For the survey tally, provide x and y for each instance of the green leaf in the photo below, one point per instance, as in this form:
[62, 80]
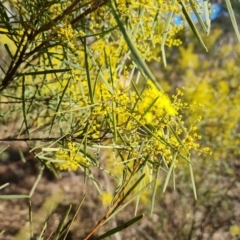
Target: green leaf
[4, 185]
[120, 228]
[69, 224]
[192, 179]
[44, 72]
[60, 225]
[59, 104]
[169, 172]
[233, 19]
[207, 16]
[99, 69]
[73, 65]
[138, 59]
[198, 16]
[165, 33]
[8, 50]
[24, 106]
[13, 196]
[154, 190]
[37, 181]
[87, 67]
[45, 224]
[128, 202]
[192, 26]
[133, 187]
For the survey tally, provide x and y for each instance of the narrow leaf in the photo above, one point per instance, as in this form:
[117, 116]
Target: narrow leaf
[13, 196]
[60, 225]
[207, 16]
[233, 19]
[165, 33]
[120, 228]
[139, 61]
[68, 226]
[128, 202]
[198, 16]
[192, 26]
[44, 72]
[8, 51]
[169, 172]
[193, 181]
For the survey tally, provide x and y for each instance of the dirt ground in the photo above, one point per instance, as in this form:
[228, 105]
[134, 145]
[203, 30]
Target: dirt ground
[51, 194]
[56, 195]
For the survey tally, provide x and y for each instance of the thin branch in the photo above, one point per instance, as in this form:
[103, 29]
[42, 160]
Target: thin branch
[118, 202]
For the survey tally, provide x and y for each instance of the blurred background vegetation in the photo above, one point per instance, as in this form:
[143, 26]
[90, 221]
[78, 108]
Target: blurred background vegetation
[210, 79]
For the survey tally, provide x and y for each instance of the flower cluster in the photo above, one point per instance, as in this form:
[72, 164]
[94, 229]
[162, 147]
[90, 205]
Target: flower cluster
[96, 92]
[70, 158]
[214, 86]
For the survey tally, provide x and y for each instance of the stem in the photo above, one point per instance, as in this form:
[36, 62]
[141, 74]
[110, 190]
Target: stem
[13, 68]
[118, 202]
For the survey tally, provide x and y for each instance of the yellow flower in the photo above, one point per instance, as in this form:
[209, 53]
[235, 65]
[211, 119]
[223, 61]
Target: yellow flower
[155, 104]
[70, 159]
[235, 230]
[106, 198]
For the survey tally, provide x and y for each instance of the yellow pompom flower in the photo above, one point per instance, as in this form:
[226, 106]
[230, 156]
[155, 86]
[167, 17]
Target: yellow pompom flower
[69, 158]
[235, 230]
[155, 103]
[106, 198]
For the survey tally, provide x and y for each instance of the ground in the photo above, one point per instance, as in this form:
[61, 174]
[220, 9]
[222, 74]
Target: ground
[209, 220]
